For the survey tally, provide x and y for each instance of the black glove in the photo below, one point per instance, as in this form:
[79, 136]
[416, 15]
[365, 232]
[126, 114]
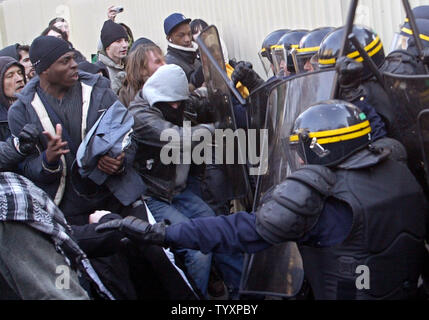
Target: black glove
[28, 139]
[197, 78]
[349, 72]
[200, 109]
[137, 230]
[245, 74]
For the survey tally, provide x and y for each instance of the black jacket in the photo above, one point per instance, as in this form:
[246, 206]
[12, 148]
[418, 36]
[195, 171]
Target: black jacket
[149, 123]
[187, 61]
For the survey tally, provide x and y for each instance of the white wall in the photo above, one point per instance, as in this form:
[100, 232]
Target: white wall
[243, 24]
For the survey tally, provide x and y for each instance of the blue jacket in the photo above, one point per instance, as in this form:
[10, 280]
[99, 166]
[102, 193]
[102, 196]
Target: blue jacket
[75, 208]
[237, 232]
[111, 135]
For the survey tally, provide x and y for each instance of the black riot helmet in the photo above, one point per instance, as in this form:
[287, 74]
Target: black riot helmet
[420, 12]
[331, 46]
[405, 39]
[308, 48]
[329, 132]
[281, 52]
[265, 53]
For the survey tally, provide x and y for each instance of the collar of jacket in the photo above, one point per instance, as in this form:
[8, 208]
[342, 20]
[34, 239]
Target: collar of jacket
[109, 62]
[27, 94]
[187, 54]
[365, 158]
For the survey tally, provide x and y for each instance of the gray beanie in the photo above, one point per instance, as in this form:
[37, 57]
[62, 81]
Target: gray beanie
[167, 84]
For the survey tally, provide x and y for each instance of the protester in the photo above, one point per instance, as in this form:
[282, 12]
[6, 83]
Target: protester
[181, 50]
[93, 68]
[39, 260]
[142, 62]
[63, 33]
[12, 77]
[115, 49]
[21, 54]
[53, 102]
[169, 186]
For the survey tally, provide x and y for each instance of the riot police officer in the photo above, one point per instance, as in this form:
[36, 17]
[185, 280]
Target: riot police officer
[357, 83]
[405, 73]
[281, 53]
[265, 53]
[405, 58]
[304, 56]
[336, 206]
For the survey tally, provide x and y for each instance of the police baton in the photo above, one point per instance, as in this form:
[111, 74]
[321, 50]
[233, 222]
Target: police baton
[416, 32]
[348, 29]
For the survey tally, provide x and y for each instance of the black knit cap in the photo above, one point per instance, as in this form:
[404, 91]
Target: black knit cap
[112, 32]
[45, 50]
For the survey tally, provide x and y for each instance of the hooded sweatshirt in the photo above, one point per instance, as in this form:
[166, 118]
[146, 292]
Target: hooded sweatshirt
[5, 102]
[10, 51]
[169, 84]
[151, 112]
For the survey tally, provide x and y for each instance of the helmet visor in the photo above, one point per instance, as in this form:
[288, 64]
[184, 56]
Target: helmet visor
[265, 57]
[399, 42]
[297, 156]
[303, 61]
[279, 56]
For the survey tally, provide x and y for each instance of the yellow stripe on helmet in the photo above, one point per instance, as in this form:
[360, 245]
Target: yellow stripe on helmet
[367, 48]
[311, 49]
[327, 61]
[356, 55]
[331, 136]
[373, 52]
[344, 137]
[410, 32]
[277, 47]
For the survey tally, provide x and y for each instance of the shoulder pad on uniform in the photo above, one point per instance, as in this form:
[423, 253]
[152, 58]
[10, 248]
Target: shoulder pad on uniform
[318, 177]
[305, 190]
[296, 204]
[277, 224]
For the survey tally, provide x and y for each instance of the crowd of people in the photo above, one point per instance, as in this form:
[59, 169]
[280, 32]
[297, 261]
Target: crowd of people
[84, 185]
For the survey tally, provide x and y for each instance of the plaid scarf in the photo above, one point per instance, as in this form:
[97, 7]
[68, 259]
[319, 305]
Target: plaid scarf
[22, 201]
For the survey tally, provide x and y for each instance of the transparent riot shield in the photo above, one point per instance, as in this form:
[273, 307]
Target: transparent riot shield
[409, 96]
[278, 271]
[229, 143]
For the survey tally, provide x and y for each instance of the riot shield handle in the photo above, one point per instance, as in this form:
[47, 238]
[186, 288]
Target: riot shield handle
[348, 29]
[220, 71]
[416, 32]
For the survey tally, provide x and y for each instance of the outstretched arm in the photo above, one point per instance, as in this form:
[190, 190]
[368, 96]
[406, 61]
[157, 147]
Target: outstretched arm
[222, 234]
